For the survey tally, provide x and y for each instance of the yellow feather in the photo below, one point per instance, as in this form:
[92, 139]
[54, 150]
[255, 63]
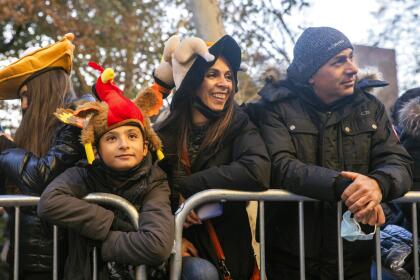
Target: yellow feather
[89, 152]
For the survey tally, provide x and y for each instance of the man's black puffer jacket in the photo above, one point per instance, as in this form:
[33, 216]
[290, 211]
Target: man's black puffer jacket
[31, 174]
[310, 143]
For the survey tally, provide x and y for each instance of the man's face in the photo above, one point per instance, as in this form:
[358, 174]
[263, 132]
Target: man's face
[122, 148]
[336, 78]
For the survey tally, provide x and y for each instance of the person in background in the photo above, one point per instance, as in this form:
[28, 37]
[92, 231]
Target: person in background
[43, 147]
[406, 113]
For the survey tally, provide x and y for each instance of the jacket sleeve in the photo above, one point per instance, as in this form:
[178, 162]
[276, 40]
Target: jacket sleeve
[61, 203]
[153, 242]
[290, 173]
[390, 162]
[248, 171]
[5, 143]
[32, 173]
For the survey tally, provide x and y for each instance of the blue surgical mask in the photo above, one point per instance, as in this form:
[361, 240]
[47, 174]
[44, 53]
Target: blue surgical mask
[351, 230]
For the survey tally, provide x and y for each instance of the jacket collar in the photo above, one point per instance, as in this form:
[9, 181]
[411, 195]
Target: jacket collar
[284, 89]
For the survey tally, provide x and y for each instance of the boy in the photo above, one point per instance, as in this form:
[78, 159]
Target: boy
[123, 166]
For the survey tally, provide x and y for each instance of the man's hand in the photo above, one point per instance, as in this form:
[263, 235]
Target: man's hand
[188, 249]
[192, 218]
[362, 195]
[374, 217]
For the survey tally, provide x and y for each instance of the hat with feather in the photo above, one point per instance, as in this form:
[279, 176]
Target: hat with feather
[112, 111]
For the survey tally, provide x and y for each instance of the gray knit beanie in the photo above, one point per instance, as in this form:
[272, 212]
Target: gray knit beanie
[313, 49]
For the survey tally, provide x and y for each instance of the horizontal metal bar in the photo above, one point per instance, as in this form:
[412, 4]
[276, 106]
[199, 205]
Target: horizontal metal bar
[18, 200]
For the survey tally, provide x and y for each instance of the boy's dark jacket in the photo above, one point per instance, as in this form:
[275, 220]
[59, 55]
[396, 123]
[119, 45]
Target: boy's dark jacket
[309, 144]
[145, 186]
[239, 162]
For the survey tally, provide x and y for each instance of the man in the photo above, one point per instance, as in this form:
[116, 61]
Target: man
[330, 140]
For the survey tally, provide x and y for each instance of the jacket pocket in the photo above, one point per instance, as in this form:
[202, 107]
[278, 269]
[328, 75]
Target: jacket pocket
[304, 135]
[357, 136]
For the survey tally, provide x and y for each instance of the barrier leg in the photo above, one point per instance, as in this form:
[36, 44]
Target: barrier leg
[415, 241]
[16, 257]
[55, 253]
[262, 239]
[141, 273]
[340, 241]
[378, 254]
[95, 264]
[301, 241]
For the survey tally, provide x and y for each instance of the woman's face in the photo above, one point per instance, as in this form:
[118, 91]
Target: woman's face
[122, 148]
[217, 85]
[24, 101]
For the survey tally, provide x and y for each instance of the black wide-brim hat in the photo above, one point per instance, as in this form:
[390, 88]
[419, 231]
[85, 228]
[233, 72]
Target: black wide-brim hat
[225, 47]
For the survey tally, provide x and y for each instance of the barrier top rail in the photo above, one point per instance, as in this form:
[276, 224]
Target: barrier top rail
[18, 200]
[229, 195]
[107, 199]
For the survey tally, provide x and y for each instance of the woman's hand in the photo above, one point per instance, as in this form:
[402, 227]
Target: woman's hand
[188, 249]
[192, 218]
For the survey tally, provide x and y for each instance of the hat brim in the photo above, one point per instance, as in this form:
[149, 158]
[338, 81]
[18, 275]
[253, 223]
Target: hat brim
[57, 55]
[225, 47]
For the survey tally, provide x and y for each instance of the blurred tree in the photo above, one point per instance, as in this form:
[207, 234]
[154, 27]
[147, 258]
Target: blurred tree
[128, 35]
[260, 27]
[399, 29]
[124, 34]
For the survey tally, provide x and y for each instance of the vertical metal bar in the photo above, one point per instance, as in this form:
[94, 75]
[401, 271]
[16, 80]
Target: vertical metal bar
[55, 253]
[415, 240]
[340, 241]
[16, 257]
[262, 239]
[378, 253]
[141, 273]
[95, 265]
[301, 241]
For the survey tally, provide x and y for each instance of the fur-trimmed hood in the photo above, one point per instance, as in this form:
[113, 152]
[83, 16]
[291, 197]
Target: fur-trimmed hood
[409, 119]
[278, 86]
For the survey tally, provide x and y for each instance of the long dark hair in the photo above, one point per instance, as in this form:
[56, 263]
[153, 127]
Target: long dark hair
[180, 118]
[46, 92]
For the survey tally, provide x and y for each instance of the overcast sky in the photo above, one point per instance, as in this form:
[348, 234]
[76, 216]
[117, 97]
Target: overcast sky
[353, 18]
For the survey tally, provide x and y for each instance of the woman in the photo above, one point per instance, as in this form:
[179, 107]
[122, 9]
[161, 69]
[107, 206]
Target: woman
[209, 142]
[44, 148]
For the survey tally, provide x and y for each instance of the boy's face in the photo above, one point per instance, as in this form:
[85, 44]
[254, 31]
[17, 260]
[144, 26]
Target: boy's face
[336, 78]
[122, 148]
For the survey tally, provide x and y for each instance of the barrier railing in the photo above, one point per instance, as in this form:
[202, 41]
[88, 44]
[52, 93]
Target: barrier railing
[111, 200]
[280, 195]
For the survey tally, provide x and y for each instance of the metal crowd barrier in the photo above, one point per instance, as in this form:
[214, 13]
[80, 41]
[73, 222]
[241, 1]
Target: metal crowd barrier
[280, 195]
[111, 200]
